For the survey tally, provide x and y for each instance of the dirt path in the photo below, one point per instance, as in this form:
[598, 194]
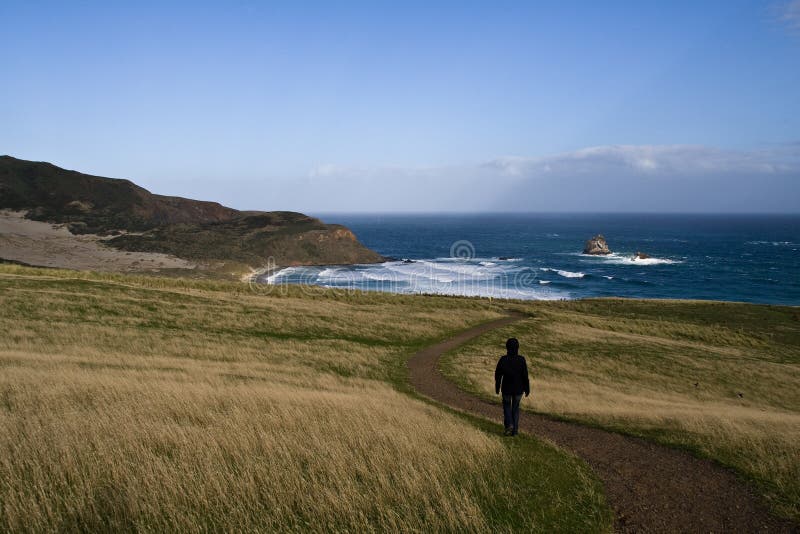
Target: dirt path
[650, 487]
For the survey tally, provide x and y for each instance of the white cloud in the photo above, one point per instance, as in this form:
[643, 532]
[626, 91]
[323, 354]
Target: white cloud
[790, 14]
[600, 178]
[326, 169]
[644, 160]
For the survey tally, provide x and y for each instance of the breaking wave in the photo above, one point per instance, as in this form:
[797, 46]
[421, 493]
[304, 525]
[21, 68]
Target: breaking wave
[565, 274]
[445, 276]
[629, 259]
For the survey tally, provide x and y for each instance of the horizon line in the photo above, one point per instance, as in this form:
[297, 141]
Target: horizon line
[565, 212]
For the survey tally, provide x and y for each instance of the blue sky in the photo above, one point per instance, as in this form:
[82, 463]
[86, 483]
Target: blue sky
[378, 106]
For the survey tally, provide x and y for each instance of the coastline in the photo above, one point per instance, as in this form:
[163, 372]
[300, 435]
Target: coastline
[721, 258]
[254, 274]
[341, 277]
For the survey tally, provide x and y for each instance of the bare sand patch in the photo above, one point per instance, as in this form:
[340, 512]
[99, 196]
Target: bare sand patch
[53, 245]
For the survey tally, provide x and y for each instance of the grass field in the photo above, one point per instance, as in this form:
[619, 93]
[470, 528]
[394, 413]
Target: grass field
[720, 379]
[151, 404]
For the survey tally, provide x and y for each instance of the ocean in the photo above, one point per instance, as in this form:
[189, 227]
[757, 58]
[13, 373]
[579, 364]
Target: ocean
[747, 258]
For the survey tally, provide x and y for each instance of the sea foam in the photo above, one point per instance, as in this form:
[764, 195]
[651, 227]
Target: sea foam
[442, 276]
[565, 274]
[629, 259]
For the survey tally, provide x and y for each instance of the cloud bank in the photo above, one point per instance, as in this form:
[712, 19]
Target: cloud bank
[790, 14]
[676, 160]
[660, 178]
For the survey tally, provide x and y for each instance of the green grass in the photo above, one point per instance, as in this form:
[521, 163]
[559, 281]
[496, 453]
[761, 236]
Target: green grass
[552, 494]
[719, 379]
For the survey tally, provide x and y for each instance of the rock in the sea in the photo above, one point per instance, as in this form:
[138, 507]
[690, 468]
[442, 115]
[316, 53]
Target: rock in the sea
[596, 246]
[640, 256]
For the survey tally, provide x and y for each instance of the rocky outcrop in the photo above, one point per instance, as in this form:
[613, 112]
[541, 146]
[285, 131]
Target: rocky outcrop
[640, 256]
[596, 246]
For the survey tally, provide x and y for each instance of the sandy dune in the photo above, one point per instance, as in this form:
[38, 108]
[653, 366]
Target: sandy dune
[40, 243]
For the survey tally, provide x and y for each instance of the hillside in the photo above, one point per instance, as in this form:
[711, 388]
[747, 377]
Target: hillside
[134, 219]
[133, 403]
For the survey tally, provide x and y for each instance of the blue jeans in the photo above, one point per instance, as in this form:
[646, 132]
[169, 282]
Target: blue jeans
[511, 411]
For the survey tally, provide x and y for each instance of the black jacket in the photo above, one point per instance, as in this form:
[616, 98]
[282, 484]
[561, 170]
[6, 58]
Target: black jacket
[512, 373]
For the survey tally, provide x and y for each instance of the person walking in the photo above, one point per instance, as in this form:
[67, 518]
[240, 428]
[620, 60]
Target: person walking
[511, 376]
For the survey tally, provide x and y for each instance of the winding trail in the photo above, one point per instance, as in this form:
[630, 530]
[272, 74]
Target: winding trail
[651, 488]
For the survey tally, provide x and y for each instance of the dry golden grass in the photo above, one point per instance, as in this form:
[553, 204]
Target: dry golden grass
[193, 448]
[633, 366]
[172, 405]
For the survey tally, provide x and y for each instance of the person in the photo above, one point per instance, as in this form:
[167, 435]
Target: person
[511, 376]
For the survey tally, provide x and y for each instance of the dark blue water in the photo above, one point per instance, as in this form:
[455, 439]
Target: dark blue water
[730, 257]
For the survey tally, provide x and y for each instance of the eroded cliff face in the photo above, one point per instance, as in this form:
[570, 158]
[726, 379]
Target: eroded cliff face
[333, 244]
[191, 229]
[332, 234]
